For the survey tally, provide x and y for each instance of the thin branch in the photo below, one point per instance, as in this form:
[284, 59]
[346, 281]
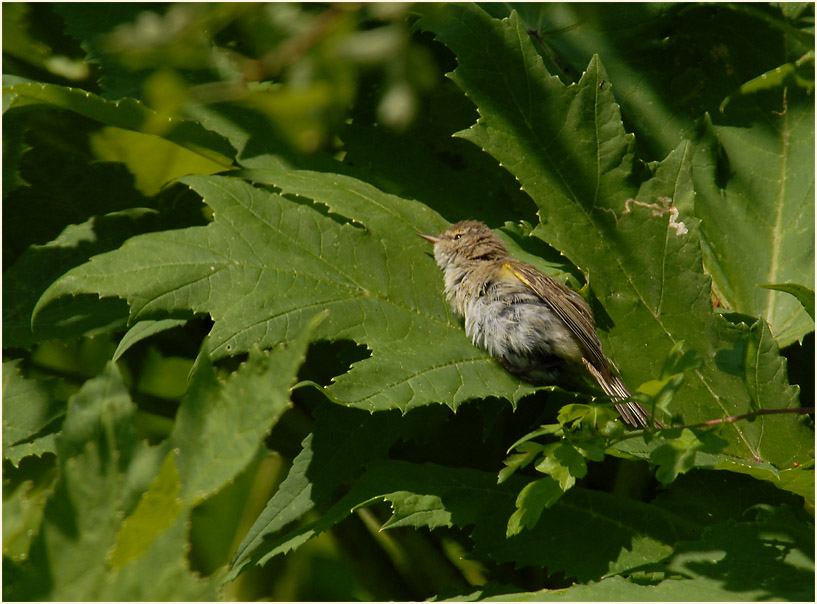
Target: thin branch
[734, 418]
[724, 420]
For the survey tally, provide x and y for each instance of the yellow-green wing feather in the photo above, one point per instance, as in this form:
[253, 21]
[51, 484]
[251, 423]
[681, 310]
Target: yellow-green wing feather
[570, 307]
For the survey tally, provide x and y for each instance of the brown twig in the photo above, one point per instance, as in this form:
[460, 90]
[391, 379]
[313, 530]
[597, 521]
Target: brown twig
[734, 418]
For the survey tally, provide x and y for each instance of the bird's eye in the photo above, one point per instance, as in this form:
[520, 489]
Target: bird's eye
[458, 236]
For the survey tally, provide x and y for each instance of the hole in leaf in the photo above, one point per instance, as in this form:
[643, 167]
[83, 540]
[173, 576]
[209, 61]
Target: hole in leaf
[326, 360]
[324, 209]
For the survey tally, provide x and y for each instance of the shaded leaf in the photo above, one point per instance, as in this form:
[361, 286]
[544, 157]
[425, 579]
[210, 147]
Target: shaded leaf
[29, 414]
[266, 264]
[619, 589]
[531, 502]
[341, 442]
[629, 228]
[717, 497]
[130, 114]
[676, 456]
[161, 574]
[143, 330]
[772, 557]
[803, 294]
[435, 496]
[797, 73]
[167, 161]
[799, 480]
[39, 266]
[156, 511]
[102, 471]
[219, 427]
[761, 210]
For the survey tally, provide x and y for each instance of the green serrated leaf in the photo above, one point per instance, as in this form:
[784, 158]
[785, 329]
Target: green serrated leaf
[81, 518]
[715, 497]
[466, 495]
[758, 222]
[129, 114]
[143, 330]
[571, 458]
[103, 471]
[797, 73]
[156, 511]
[638, 240]
[39, 265]
[531, 502]
[23, 510]
[411, 509]
[100, 412]
[378, 284]
[803, 294]
[162, 573]
[66, 187]
[29, 413]
[472, 498]
[799, 480]
[619, 589]
[219, 427]
[152, 160]
[341, 442]
[773, 556]
[676, 456]
[528, 452]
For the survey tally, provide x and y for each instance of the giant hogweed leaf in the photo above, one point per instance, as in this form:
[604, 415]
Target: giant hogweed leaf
[127, 113]
[219, 427]
[29, 414]
[619, 589]
[670, 63]
[267, 265]
[773, 555]
[103, 469]
[39, 265]
[433, 496]
[411, 286]
[630, 230]
[334, 452]
[758, 225]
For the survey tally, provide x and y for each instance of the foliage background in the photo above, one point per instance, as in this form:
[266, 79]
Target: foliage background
[264, 395]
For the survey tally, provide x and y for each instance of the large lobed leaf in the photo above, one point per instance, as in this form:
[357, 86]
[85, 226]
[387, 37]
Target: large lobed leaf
[333, 454]
[103, 470]
[128, 114]
[754, 161]
[219, 426]
[274, 257]
[758, 226]
[630, 227]
[120, 510]
[267, 264]
[629, 537]
[29, 415]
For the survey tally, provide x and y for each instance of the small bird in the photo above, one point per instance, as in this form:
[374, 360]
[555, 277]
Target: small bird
[533, 324]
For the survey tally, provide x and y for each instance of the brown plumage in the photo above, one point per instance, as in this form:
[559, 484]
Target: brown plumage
[532, 323]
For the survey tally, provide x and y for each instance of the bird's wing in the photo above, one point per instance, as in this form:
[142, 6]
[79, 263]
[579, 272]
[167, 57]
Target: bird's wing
[574, 311]
[569, 306]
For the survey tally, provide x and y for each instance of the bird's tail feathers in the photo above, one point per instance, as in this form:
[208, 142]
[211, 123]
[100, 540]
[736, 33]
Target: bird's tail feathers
[631, 412]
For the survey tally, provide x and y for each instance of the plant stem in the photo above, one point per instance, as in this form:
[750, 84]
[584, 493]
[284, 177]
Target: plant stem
[735, 418]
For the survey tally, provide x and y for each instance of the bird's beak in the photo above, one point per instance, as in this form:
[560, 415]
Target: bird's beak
[429, 238]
